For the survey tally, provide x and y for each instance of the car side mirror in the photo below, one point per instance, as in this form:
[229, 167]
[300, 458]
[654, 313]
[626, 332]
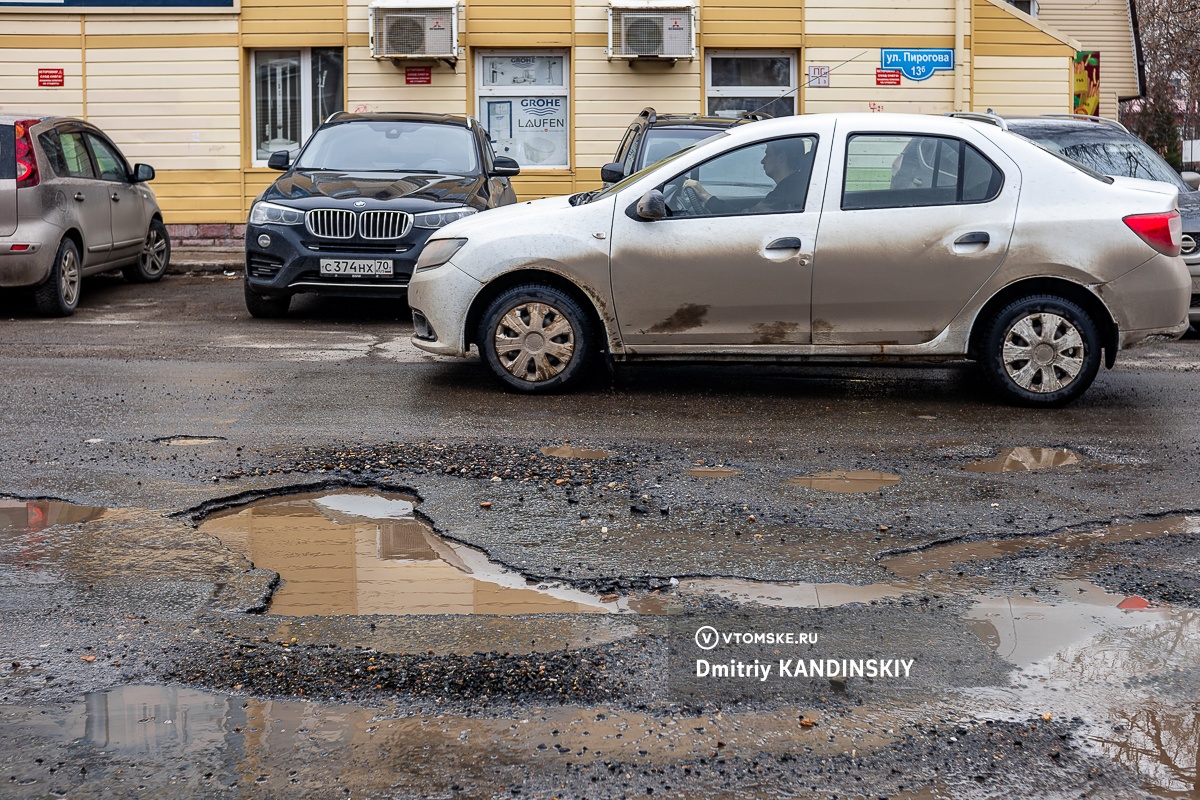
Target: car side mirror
[611, 173]
[280, 159]
[142, 173]
[1192, 179]
[652, 205]
[504, 167]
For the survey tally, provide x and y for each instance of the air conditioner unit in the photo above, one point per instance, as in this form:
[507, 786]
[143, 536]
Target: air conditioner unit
[425, 29]
[651, 30]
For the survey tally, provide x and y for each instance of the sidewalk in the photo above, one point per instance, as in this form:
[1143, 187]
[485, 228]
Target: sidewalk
[206, 259]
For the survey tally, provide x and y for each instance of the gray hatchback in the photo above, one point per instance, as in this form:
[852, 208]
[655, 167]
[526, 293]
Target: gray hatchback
[71, 206]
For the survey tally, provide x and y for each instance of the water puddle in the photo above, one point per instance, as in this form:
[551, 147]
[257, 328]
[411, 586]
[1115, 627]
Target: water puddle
[359, 552]
[789, 595]
[1017, 459]
[713, 472]
[566, 451]
[19, 518]
[944, 557]
[187, 441]
[857, 480]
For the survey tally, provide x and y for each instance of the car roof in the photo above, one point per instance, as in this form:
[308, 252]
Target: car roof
[652, 119]
[399, 116]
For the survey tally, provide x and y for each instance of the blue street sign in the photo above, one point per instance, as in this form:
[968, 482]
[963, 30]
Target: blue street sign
[918, 63]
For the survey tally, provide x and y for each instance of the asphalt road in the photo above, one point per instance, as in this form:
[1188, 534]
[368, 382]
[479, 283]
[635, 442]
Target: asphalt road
[1044, 597]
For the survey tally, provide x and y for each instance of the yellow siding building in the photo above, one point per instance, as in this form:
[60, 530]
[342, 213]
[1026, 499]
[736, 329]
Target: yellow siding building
[204, 92]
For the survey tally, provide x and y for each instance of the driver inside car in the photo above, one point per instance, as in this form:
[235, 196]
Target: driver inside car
[784, 161]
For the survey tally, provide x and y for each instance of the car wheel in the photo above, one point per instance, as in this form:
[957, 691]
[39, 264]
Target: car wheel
[265, 307]
[535, 338]
[58, 295]
[156, 255]
[1041, 351]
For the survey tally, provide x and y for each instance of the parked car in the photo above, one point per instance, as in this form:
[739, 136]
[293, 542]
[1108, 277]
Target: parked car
[1108, 147]
[71, 206]
[846, 236]
[651, 137]
[349, 217]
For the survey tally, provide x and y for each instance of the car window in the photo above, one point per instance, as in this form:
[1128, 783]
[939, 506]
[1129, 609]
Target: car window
[67, 154]
[762, 178]
[663, 142]
[906, 170]
[391, 146]
[110, 161]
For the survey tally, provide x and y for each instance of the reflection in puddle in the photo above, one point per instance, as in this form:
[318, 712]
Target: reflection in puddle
[30, 516]
[1016, 459]
[943, 557]
[855, 480]
[565, 451]
[189, 440]
[790, 595]
[713, 472]
[363, 553]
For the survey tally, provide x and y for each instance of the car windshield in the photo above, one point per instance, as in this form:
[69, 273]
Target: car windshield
[618, 186]
[391, 146]
[662, 142]
[1107, 151]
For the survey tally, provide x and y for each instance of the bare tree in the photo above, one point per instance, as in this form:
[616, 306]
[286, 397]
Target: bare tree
[1170, 39]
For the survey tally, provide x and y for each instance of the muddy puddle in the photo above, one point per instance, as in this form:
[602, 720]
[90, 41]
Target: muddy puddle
[847, 481]
[359, 552]
[713, 472]
[18, 517]
[567, 451]
[189, 441]
[1018, 459]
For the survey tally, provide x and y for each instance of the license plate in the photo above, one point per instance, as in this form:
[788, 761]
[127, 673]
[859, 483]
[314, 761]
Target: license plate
[356, 266]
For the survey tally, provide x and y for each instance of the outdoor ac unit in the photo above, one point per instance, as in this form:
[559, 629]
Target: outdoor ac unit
[411, 30]
[652, 30]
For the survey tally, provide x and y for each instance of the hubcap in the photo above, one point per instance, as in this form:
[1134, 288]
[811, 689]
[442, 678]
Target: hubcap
[154, 253]
[1043, 352]
[68, 278]
[534, 342]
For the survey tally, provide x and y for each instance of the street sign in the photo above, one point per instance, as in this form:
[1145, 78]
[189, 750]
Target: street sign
[917, 64]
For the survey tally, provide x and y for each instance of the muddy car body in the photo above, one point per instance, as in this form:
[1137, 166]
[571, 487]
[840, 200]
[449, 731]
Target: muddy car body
[993, 260]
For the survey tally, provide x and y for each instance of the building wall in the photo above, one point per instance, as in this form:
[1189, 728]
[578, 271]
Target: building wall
[1104, 25]
[173, 89]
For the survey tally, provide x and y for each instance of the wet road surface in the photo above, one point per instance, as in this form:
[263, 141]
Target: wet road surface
[247, 558]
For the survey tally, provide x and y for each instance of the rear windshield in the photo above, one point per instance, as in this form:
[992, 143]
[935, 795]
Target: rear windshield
[379, 146]
[1104, 150]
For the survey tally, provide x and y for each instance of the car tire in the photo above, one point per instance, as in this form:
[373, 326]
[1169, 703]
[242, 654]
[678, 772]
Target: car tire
[155, 257]
[264, 307]
[58, 295]
[535, 339]
[1041, 351]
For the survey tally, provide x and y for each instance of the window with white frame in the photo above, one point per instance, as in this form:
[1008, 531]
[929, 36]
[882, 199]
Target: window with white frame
[740, 82]
[291, 93]
[524, 104]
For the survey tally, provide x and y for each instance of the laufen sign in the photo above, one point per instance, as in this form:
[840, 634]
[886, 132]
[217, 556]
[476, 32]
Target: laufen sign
[919, 63]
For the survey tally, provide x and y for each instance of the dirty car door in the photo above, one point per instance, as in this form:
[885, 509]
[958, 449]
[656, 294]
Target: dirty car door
[84, 200]
[731, 271]
[128, 210]
[919, 225]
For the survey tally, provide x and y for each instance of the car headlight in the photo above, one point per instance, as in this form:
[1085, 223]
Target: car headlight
[438, 219]
[263, 213]
[438, 252]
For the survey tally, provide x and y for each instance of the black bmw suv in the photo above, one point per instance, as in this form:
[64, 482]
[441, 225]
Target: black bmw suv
[349, 217]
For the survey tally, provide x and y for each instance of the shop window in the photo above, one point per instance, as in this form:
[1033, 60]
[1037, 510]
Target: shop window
[742, 82]
[524, 105]
[292, 92]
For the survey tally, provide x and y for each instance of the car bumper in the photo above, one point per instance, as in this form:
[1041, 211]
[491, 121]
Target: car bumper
[31, 265]
[441, 299]
[1150, 301]
[290, 263]
[1193, 265]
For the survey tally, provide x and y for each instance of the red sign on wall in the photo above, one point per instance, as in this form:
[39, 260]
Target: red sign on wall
[887, 77]
[50, 76]
[418, 75]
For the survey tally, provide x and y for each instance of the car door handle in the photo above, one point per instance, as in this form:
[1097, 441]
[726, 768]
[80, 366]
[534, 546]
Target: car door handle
[116, 198]
[79, 196]
[975, 237]
[786, 243]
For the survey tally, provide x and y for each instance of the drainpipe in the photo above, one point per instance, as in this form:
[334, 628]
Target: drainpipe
[960, 55]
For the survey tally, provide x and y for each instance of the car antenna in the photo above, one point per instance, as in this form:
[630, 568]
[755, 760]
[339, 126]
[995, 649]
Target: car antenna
[798, 86]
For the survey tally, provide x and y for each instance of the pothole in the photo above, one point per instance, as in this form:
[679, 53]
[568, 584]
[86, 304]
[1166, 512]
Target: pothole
[1017, 459]
[846, 481]
[567, 451]
[713, 472]
[31, 516]
[188, 441]
[360, 552]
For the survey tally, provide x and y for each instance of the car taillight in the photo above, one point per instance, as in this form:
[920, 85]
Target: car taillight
[27, 170]
[1163, 232]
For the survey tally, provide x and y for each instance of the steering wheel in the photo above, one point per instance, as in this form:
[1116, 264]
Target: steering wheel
[687, 200]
